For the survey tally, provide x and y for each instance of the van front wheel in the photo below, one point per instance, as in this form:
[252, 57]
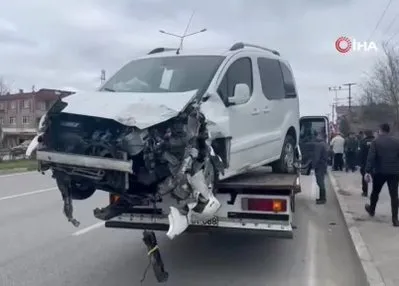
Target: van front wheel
[287, 158]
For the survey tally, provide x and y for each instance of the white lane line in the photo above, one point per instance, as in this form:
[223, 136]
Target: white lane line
[89, 228]
[315, 188]
[311, 249]
[17, 174]
[27, 194]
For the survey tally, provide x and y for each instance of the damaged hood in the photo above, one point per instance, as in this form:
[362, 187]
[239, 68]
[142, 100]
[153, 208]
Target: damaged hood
[141, 110]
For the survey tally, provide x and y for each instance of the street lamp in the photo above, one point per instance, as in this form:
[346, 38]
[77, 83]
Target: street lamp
[183, 36]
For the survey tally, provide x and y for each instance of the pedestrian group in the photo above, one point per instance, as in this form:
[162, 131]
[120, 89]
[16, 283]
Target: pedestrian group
[376, 155]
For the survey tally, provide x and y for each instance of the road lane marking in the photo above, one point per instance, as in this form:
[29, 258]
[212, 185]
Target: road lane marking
[315, 188]
[312, 248]
[27, 194]
[17, 174]
[89, 228]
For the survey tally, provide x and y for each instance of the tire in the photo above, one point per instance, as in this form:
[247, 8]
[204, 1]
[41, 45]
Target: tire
[79, 191]
[286, 162]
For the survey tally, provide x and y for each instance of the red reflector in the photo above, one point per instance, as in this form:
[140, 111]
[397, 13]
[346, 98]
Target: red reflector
[265, 205]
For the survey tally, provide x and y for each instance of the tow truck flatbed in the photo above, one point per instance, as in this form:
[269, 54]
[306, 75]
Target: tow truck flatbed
[261, 178]
[257, 201]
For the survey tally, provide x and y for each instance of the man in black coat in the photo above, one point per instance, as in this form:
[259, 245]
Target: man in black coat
[383, 162]
[351, 146]
[364, 147]
[319, 164]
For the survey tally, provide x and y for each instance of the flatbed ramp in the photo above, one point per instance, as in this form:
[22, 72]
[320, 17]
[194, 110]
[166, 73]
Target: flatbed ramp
[262, 178]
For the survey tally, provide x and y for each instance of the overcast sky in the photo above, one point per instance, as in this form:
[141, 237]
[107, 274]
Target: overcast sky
[65, 44]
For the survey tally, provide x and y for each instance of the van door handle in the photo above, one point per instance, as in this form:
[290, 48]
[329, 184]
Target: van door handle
[255, 112]
[266, 109]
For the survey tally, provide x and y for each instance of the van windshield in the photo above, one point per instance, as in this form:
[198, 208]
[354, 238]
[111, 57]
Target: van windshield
[165, 74]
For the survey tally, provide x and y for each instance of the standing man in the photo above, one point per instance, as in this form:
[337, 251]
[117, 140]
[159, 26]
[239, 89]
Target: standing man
[319, 164]
[350, 148]
[337, 144]
[383, 161]
[364, 147]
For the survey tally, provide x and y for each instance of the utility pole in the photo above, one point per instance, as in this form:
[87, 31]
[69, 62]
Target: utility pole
[102, 76]
[349, 85]
[335, 100]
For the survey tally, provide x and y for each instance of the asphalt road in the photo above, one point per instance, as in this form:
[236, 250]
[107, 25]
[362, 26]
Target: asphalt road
[38, 247]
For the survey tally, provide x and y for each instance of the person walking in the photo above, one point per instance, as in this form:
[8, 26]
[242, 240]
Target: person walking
[319, 165]
[364, 146]
[337, 145]
[350, 147]
[383, 164]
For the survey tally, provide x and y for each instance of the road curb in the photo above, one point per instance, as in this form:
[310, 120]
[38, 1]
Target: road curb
[373, 275]
[13, 170]
[17, 171]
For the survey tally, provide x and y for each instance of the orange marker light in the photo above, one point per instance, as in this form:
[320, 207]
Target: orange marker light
[113, 199]
[277, 206]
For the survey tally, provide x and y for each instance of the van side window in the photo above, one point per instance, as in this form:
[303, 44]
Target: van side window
[271, 78]
[289, 85]
[239, 72]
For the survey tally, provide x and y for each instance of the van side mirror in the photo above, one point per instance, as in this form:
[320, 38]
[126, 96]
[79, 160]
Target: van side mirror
[241, 94]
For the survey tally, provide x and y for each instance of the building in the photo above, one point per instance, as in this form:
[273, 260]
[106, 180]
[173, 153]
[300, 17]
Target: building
[20, 113]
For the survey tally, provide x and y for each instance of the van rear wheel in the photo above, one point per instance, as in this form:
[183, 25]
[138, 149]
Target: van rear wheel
[287, 158]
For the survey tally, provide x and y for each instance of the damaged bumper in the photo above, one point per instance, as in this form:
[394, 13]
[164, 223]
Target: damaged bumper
[86, 161]
[217, 224]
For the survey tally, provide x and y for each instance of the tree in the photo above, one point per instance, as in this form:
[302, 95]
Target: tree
[4, 89]
[381, 89]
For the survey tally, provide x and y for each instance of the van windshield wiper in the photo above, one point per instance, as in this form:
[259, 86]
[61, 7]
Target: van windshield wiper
[109, 89]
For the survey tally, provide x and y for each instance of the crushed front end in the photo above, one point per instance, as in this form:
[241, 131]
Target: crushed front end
[141, 166]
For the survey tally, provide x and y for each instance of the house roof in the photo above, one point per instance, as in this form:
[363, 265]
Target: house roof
[43, 93]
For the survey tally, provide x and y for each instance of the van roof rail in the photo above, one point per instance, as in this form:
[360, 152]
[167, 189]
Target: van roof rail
[241, 45]
[160, 50]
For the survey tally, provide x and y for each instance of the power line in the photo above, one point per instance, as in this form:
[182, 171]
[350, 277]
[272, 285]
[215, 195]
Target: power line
[391, 24]
[380, 20]
[393, 36]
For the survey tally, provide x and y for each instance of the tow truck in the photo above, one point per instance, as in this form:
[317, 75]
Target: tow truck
[258, 201]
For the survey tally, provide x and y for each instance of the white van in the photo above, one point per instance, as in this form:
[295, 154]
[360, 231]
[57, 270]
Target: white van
[170, 113]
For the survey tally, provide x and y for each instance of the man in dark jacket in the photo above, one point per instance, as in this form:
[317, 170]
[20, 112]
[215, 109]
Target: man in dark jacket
[350, 147]
[319, 164]
[364, 147]
[383, 162]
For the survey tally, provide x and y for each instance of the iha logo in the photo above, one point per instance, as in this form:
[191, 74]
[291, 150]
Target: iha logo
[345, 45]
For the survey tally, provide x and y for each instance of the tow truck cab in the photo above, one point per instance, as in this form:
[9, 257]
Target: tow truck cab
[257, 201]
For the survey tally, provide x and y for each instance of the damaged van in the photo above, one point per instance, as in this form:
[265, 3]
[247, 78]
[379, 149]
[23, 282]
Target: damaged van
[168, 126]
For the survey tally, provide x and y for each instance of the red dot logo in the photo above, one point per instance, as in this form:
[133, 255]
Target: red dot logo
[343, 45]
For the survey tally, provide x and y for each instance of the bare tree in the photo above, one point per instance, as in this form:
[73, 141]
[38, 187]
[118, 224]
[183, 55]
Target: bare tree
[4, 89]
[381, 90]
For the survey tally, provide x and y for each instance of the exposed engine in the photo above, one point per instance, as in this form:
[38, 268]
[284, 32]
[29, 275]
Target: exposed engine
[172, 158]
